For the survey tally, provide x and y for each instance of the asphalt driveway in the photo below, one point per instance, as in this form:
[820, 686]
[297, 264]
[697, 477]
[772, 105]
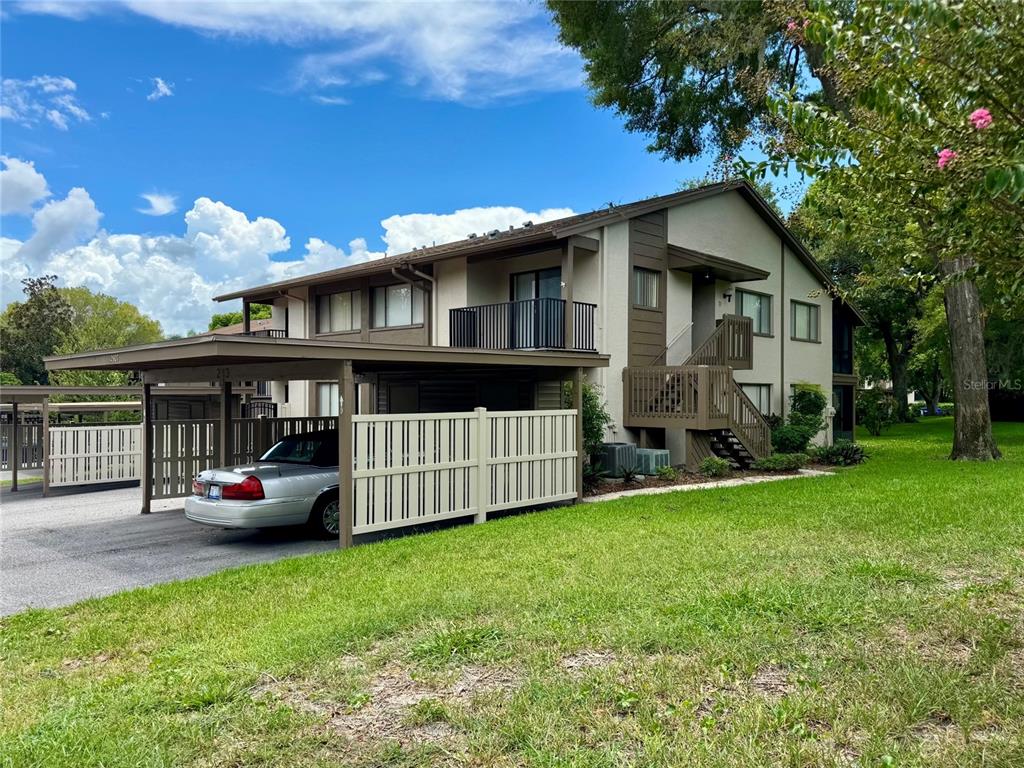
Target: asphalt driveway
[70, 547]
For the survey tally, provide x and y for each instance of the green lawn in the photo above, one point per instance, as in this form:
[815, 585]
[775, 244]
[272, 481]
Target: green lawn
[875, 617]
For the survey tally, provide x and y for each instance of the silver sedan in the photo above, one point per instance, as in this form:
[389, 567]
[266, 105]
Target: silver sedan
[294, 483]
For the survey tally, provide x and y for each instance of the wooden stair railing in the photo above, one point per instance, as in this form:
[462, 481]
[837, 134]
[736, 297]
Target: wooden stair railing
[731, 344]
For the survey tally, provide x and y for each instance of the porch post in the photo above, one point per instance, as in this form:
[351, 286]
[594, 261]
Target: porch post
[14, 449]
[147, 447]
[577, 403]
[246, 324]
[567, 281]
[46, 446]
[346, 491]
[226, 449]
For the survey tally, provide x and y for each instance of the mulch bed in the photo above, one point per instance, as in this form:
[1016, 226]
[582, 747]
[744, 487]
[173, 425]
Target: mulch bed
[613, 484]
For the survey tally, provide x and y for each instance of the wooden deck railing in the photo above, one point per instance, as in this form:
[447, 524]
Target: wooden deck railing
[526, 324]
[694, 397]
[731, 344]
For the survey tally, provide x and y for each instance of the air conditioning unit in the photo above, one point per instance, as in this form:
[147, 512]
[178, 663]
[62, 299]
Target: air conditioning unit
[616, 457]
[650, 460]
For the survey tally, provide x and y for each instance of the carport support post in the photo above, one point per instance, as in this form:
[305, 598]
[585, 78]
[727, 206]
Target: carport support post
[147, 447]
[346, 491]
[225, 424]
[577, 403]
[46, 446]
[14, 449]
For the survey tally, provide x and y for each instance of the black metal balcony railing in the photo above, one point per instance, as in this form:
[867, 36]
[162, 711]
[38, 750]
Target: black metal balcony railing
[270, 333]
[528, 324]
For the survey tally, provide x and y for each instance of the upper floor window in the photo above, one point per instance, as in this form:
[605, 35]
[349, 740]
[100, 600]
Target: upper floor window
[338, 312]
[805, 321]
[646, 288]
[397, 305]
[758, 307]
[327, 398]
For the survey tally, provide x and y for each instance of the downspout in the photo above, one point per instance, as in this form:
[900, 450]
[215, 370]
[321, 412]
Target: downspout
[434, 309]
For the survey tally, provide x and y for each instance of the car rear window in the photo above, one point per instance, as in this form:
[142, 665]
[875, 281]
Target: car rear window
[313, 449]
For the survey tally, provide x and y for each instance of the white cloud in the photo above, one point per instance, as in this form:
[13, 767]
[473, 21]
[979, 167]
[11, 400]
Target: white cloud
[159, 204]
[412, 230]
[21, 186]
[174, 278]
[44, 97]
[160, 89]
[471, 53]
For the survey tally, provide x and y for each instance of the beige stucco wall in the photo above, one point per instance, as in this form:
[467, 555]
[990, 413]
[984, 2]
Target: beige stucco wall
[450, 292]
[612, 309]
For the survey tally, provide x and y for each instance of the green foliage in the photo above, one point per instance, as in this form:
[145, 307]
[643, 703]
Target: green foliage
[224, 319]
[595, 416]
[33, 329]
[8, 379]
[630, 475]
[781, 462]
[805, 419]
[842, 453]
[669, 473]
[593, 473]
[712, 466]
[876, 410]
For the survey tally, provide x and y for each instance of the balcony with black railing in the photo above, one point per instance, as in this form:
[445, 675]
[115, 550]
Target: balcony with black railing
[268, 333]
[527, 324]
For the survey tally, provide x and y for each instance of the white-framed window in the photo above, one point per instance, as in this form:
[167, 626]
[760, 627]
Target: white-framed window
[805, 321]
[327, 398]
[397, 305]
[339, 312]
[760, 395]
[758, 307]
[646, 288]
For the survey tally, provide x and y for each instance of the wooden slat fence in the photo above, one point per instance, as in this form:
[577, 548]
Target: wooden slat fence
[181, 450]
[89, 454]
[31, 438]
[419, 468]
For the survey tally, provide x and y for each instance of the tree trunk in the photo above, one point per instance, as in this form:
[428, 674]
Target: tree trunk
[897, 359]
[972, 423]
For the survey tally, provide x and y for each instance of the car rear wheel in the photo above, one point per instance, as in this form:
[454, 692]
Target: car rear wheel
[324, 519]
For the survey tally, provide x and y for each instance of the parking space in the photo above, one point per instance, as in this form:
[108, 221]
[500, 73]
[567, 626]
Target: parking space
[69, 547]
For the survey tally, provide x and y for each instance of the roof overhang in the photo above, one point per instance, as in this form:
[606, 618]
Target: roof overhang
[235, 358]
[33, 393]
[710, 266]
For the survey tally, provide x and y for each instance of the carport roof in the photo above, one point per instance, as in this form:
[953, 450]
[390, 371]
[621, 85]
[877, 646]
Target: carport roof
[243, 358]
[37, 393]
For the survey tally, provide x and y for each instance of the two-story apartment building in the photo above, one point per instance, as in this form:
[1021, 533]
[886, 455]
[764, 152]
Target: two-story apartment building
[707, 306]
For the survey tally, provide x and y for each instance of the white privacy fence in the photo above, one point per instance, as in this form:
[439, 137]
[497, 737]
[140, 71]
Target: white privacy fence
[419, 468]
[85, 455]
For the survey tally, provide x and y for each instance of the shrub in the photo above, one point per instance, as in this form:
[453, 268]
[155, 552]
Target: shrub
[593, 473]
[712, 466]
[595, 416]
[875, 410]
[781, 462]
[805, 419]
[790, 438]
[844, 453]
[668, 473]
[630, 474]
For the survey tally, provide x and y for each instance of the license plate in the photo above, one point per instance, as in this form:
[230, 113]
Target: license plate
[214, 492]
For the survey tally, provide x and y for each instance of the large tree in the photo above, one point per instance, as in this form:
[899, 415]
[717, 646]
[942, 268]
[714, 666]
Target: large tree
[224, 319]
[32, 329]
[100, 321]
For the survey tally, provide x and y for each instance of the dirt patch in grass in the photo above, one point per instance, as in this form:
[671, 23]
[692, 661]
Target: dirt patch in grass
[396, 707]
[772, 681]
[579, 663]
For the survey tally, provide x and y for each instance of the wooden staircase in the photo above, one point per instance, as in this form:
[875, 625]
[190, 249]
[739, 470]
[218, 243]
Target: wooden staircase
[702, 396]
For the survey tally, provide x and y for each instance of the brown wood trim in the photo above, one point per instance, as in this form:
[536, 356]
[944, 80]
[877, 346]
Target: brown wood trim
[647, 327]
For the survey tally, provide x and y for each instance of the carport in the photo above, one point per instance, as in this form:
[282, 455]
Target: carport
[228, 360]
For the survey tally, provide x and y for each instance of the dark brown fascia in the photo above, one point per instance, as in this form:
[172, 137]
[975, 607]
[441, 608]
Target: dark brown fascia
[236, 350]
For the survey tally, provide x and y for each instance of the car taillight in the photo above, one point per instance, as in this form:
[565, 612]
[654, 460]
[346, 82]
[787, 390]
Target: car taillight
[197, 488]
[250, 489]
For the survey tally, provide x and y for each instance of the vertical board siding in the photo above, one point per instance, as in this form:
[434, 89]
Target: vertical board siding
[95, 454]
[420, 468]
[181, 450]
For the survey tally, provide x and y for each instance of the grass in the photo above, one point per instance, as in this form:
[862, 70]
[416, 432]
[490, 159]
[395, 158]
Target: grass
[875, 617]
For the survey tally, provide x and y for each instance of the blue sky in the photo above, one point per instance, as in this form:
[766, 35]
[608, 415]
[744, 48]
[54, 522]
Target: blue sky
[305, 133]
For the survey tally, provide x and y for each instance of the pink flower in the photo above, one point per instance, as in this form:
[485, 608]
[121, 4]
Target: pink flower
[946, 156]
[981, 119]
[792, 26]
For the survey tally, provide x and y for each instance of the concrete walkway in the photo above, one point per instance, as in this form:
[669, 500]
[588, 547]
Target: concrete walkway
[724, 483]
[72, 546]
